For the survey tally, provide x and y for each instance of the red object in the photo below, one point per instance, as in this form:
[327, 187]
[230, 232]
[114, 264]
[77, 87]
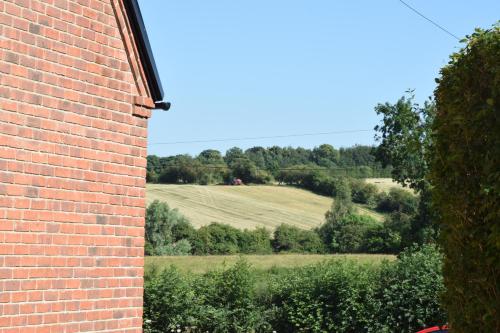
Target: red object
[435, 329]
[237, 181]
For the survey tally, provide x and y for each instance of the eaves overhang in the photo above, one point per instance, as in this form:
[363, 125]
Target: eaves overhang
[145, 52]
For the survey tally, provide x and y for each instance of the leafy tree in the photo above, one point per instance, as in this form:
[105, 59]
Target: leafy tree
[257, 155]
[160, 222]
[404, 137]
[210, 156]
[152, 176]
[210, 167]
[343, 190]
[325, 155]
[357, 156]
[294, 175]
[405, 144]
[340, 210]
[244, 169]
[183, 229]
[466, 178]
[233, 154]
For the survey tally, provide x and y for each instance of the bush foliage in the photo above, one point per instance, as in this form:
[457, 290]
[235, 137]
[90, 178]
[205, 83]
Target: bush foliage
[166, 230]
[334, 296]
[466, 177]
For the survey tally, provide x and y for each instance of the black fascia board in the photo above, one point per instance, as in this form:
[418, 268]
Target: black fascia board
[144, 47]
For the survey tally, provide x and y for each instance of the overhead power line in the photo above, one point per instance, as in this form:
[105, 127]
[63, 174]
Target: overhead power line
[223, 167]
[260, 137]
[429, 20]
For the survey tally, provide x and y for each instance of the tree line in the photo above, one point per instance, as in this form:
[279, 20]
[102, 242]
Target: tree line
[261, 165]
[345, 230]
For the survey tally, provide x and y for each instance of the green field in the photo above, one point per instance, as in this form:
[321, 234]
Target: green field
[202, 264]
[247, 206]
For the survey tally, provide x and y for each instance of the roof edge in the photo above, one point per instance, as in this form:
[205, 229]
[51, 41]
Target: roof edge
[144, 48]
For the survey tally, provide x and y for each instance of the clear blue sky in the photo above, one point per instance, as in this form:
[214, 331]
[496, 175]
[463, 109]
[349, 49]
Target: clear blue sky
[260, 68]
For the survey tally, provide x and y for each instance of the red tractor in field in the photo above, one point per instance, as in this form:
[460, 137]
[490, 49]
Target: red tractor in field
[236, 181]
[435, 329]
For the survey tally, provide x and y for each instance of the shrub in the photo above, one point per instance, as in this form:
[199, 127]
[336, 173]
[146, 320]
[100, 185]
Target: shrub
[168, 301]
[218, 301]
[345, 296]
[183, 229]
[397, 200]
[217, 238]
[401, 224]
[341, 296]
[310, 242]
[381, 239]
[466, 178]
[363, 192]
[227, 301]
[344, 231]
[349, 233]
[409, 291]
[289, 238]
[286, 238]
[179, 248]
[256, 241]
[331, 297]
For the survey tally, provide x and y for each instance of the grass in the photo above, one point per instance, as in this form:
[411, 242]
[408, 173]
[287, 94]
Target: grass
[202, 264]
[385, 184]
[247, 206]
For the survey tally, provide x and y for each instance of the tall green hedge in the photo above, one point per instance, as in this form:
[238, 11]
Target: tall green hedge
[340, 295]
[466, 178]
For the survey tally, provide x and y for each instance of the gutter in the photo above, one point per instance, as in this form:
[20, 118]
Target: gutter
[146, 54]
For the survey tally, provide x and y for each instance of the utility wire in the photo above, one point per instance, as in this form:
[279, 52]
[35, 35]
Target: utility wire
[280, 169]
[223, 167]
[431, 21]
[260, 137]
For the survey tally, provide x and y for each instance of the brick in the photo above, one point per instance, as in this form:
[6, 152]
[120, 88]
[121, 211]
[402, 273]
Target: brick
[73, 139]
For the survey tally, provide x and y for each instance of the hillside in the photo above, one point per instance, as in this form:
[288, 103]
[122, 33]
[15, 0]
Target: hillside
[246, 206]
[385, 184]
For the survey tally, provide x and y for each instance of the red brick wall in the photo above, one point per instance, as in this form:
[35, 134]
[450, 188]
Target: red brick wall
[72, 168]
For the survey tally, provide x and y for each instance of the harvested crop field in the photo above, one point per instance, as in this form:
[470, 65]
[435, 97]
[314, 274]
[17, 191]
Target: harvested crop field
[247, 206]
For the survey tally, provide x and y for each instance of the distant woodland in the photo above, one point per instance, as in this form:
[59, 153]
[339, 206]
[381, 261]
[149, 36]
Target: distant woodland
[259, 165]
